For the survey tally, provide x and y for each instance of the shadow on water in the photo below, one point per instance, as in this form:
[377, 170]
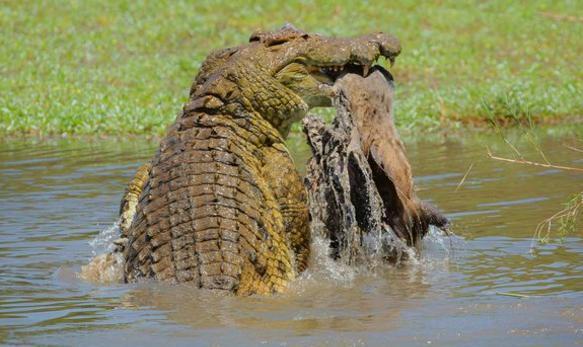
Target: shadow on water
[57, 196]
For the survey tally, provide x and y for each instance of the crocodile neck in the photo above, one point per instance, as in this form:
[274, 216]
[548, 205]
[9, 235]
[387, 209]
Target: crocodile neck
[208, 111]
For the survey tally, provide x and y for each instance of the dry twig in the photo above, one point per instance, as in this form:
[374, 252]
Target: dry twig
[528, 162]
[574, 148]
[464, 178]
[516, 295]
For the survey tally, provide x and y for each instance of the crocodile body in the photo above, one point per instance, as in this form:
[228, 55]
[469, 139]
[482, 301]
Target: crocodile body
[221, 204]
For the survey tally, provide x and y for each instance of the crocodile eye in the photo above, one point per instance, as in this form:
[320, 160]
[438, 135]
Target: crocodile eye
[256, 36]
[273, 43]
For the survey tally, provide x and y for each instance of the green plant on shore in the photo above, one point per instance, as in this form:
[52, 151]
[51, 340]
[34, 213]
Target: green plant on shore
[124, 67]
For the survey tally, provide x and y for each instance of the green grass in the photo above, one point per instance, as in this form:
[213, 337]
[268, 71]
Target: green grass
[125, 67]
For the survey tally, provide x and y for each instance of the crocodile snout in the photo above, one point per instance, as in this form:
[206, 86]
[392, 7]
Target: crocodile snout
[389, 45]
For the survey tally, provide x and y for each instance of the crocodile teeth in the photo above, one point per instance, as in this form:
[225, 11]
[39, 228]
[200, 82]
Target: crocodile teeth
[365, 69]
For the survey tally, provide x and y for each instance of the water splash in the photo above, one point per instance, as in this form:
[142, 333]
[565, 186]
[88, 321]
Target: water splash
[106, 266]
[438, 244]
[103, 242]
[438, 251]
[323, 267]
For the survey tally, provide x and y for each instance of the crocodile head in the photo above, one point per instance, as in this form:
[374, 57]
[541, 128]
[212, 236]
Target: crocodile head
[282, 74]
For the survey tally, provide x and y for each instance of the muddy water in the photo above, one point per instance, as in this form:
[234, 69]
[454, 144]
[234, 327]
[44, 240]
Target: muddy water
[59, 200]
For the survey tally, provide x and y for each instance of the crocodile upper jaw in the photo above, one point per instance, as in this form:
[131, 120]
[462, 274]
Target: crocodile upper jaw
[329, 74]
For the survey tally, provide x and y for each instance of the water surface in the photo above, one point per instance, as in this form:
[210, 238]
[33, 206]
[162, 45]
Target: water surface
[59, 198]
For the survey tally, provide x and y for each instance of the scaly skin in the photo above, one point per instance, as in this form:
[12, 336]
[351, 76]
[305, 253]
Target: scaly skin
[221, 204]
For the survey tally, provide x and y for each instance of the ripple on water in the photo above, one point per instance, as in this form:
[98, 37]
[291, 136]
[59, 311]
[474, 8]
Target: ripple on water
[58, 197]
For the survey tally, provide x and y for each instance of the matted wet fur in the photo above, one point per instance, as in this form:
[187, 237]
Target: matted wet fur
[359, 181]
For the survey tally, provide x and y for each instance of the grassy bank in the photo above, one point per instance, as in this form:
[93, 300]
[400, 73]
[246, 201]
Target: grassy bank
[125, 67]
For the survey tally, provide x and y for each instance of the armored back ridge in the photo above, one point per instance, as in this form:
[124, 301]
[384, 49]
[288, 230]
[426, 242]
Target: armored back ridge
[221, 204]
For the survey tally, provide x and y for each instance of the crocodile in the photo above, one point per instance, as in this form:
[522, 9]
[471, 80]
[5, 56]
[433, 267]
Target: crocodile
[221, 204]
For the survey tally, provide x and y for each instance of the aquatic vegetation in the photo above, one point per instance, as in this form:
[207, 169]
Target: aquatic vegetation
[564, 221]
